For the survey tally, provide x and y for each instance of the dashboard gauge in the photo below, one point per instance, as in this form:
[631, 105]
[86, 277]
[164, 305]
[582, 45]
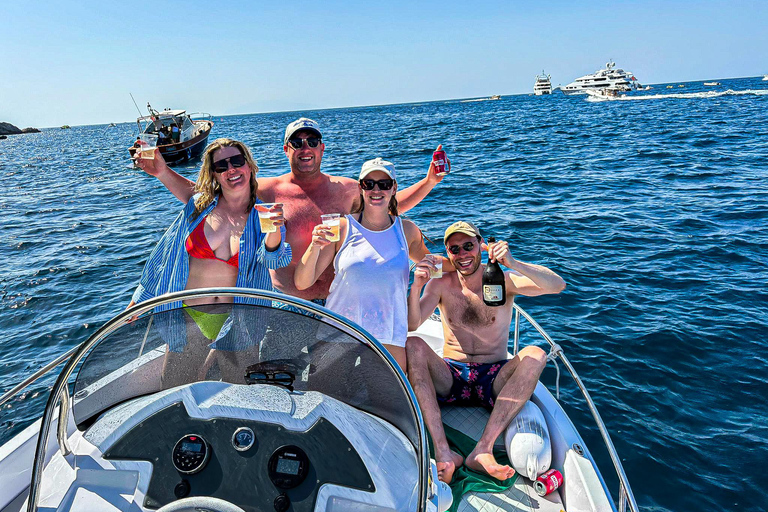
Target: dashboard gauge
[191, 454]
[243, 439]
[288, 467]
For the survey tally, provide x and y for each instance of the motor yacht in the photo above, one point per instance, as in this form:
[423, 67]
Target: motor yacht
[543, 84]
[290, 408]
[609, 77]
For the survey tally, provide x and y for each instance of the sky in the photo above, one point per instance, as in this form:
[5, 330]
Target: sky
[77, 62]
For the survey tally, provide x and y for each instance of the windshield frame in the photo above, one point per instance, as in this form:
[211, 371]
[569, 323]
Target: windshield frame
[60, 394]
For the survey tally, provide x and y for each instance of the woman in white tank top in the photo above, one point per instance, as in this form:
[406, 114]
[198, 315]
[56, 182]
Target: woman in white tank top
[370, 259]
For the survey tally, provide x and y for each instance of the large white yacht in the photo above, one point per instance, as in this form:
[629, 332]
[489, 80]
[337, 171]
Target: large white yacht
[543, 85]
[610, 77]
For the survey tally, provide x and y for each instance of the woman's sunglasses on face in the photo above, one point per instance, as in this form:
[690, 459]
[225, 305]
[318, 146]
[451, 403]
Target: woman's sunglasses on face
[467, 246]
[297, 142]
[385, 184]
[222, 165]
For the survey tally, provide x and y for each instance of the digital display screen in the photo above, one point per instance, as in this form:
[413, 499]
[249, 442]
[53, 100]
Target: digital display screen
[288, 467]
[191, 447]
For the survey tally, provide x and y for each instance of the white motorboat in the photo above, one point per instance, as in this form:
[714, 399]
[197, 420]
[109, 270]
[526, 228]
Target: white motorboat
[765, 77]
[604, 94]
[286, 410]
[543, 84]
[609, 77]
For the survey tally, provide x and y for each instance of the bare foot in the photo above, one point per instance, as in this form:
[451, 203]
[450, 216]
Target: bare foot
[485, 463]
[445, 469]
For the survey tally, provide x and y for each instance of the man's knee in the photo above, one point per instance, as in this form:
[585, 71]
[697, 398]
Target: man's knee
[533, 356]
[415, 346]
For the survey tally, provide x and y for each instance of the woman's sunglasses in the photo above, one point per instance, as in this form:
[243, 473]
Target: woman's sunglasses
[312, 142]
[222, 165]
[467, 246]
[368, 184]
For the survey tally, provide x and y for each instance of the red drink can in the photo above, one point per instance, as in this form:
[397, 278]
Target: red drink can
[442, 167]
[548, 482]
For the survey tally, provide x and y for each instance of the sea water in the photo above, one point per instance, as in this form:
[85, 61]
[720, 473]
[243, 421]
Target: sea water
[653, 208]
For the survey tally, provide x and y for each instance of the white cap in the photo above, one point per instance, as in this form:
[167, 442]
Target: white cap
[378, 164]
[301, 124]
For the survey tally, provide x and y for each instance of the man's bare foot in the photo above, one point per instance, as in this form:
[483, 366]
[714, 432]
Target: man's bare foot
[485, 463]
[446, 468]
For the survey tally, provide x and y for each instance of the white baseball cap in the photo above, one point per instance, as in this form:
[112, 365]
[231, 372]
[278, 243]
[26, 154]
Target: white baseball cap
[378, 164]
[299, 125]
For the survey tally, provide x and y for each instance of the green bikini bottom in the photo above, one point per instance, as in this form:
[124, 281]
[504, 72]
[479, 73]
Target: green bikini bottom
[210, 324]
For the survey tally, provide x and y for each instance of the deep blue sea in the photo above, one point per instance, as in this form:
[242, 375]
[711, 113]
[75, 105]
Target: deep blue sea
[653, 208]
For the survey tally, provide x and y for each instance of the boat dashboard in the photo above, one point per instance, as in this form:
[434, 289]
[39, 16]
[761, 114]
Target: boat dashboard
[262, 448]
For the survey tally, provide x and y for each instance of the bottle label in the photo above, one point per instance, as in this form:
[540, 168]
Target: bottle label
[492, 292]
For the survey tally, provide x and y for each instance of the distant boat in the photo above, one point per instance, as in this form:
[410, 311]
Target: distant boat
[66, 127]
[670, 86]
[765, 77]
[712, 83]
[186, 142]
[543, 84]
[610, 77]
[495, 97]
[112, 124]
[681, 85]
[605, 94]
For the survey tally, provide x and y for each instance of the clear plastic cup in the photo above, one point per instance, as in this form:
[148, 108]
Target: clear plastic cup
[266, 221]
[147, 150]
[437, 259]
[332, 221]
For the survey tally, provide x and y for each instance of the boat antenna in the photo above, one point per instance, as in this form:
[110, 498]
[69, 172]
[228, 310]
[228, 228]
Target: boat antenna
[137, 109]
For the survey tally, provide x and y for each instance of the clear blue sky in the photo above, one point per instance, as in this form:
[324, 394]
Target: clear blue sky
[75, 62]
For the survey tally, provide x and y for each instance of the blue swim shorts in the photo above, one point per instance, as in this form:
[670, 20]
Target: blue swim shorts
[472, 383]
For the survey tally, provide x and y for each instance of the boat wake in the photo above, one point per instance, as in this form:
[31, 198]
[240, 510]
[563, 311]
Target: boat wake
[688, 95]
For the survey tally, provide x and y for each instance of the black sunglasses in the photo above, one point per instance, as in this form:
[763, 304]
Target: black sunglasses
[222, 165]
[467, 246]
[368, 184]
[312, 142]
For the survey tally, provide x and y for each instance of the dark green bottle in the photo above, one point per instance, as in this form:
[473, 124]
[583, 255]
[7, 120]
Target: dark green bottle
[494, 291]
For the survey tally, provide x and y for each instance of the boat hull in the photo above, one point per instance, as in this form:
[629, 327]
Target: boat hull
[184, 151]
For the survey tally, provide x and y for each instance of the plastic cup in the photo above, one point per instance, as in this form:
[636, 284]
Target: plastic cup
[265, 217]
[147, 150]
[437, 259]
[332, 221]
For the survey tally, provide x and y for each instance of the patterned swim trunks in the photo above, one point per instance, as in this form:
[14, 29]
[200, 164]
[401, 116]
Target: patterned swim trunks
[472, 383]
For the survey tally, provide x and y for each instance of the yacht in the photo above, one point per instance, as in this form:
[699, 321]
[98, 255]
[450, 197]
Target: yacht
[543, 84]
[609, 77]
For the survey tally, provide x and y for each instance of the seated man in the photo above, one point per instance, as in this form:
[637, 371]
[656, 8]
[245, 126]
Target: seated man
[476, 370]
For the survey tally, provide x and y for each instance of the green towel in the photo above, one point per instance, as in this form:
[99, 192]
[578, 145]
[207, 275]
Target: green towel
[467, 480]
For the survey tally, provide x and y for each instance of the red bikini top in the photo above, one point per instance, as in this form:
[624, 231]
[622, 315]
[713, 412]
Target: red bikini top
[197, 247]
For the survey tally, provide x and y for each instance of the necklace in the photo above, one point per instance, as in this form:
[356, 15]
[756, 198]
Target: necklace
[374, 227]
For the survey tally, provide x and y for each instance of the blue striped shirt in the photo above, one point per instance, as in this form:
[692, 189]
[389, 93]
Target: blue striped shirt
[167, 269]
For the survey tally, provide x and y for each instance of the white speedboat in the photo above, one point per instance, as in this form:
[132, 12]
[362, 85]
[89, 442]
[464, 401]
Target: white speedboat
[286, 410]
[711, 84]
[604, 94]
[543, 84]
[765, 77]
[609, 77]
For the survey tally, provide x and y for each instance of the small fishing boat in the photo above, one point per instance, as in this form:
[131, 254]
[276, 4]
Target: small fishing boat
[286, 410]
[181, 136]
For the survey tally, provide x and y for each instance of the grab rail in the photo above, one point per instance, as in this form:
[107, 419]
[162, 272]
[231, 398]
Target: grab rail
[626, 497]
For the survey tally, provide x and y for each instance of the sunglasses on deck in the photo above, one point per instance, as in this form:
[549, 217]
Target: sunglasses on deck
[222, 165]
[467, 246]
[297, 142]
[385, 184]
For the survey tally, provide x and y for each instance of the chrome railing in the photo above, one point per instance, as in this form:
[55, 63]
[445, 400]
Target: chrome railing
[626, 497]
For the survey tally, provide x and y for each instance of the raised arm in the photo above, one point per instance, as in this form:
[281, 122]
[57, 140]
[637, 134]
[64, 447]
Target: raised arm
[177, 184]
[421, 306]
[535, 279]
[318, 256]
[411, 196]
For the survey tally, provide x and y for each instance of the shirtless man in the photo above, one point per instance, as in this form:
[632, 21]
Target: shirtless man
[475, 370]
[306, 192]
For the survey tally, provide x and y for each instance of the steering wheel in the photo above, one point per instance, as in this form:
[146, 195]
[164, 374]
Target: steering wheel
[200, 504]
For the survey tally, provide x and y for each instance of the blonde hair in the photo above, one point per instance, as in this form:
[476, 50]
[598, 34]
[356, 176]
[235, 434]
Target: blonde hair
[206, 184]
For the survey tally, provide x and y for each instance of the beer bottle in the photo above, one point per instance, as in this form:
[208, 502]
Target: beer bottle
[494, 291]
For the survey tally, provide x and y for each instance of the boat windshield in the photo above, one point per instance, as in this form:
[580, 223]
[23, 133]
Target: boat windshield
[265, 343]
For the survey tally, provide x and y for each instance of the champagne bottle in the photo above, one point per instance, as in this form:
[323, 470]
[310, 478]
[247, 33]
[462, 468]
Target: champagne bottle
[494, 291]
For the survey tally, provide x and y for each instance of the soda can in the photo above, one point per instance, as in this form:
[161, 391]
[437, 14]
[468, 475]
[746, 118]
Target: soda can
[442, 167]
[548, 482]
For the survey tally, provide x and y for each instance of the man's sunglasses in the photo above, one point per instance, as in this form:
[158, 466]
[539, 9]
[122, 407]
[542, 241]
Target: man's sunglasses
[222, 165]
[467, 246]
[312, 142]
[368, 184]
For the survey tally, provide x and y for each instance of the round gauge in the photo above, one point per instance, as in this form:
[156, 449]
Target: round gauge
[190, 454]
[288, 467]
[243, 439]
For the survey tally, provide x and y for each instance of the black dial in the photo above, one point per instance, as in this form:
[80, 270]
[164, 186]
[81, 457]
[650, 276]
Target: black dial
[191, 454]
[288, 467]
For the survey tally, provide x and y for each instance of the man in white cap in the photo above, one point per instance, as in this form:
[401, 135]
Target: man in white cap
[306, 193]
[475, 369]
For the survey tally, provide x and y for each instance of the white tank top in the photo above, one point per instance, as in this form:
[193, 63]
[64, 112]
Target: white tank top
[371, 283]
